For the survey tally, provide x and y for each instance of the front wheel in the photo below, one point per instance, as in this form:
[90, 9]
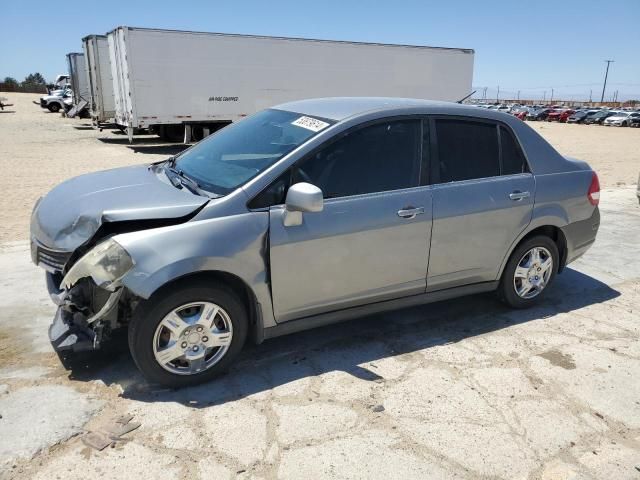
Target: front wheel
[188, 336]
[529, 272]
[53, 107]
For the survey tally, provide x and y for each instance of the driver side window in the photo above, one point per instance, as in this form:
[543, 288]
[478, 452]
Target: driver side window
[377, 158]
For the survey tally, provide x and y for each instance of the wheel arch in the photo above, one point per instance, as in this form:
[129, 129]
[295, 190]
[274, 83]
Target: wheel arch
[552, 231]
[232, 281]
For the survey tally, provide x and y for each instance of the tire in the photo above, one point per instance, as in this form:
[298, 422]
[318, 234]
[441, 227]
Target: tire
[172, 133]
[53, 107]
[144, 333]
[507, 288]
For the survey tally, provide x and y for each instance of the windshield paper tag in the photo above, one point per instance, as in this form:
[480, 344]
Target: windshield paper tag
[310, 124]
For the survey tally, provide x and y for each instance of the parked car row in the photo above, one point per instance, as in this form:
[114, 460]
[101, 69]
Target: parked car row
[587, 116]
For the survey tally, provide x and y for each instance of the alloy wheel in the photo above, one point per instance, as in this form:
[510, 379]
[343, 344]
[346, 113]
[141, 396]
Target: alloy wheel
[532, 273]
[192, 338]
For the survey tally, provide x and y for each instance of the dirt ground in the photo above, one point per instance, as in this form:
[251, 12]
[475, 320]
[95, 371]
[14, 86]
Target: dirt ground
[51, 149]
[462, 389]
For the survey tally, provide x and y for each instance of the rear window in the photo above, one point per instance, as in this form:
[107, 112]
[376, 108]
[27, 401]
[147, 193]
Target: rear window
[467, 150]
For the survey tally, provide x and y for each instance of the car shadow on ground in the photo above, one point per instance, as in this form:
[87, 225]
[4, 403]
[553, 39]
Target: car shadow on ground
[347, 346]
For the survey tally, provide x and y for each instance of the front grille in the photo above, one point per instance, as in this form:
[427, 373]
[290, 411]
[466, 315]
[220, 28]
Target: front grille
[52, 260]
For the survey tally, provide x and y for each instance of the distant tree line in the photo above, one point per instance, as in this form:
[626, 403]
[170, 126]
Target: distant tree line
[34, 82]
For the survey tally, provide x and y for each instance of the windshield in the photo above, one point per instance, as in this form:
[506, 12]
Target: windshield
[239, 152]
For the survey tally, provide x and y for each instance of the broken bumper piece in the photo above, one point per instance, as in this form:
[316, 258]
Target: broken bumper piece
[67, 335]
[74, 327]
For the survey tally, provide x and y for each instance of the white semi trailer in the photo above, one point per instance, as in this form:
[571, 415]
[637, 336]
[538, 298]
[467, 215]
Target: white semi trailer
[78, 77]
[166, 79]
[96, 54]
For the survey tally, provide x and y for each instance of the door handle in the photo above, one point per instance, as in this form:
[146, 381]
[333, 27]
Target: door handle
[410, 212]
[517, 195]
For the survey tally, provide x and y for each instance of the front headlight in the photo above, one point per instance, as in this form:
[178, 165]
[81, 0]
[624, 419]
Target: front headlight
[106, 263]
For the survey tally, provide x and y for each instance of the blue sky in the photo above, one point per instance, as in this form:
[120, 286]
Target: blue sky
[531, 46]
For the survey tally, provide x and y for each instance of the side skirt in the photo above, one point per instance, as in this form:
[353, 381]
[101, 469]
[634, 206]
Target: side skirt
[323, 319]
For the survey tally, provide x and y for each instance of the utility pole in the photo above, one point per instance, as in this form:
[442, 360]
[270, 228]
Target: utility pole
[544, 97]
[590, 94]
[518, 95]
[484, 93]
[606, 74]
[551, 99]
[498, 95]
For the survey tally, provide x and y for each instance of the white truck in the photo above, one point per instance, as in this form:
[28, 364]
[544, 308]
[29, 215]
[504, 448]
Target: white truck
[96, 55]
[57, 100]
[78, 76]
[168, 80]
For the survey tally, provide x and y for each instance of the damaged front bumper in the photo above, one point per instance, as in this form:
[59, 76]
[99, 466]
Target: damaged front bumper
[76, 326]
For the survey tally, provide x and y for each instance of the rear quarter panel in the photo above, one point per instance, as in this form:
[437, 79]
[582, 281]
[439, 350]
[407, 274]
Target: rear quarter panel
[560, 192]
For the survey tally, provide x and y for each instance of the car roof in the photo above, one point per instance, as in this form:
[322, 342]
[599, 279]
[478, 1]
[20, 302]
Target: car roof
[340, 108]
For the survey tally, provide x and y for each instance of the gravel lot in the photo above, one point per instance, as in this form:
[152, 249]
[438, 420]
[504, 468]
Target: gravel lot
[460, 389]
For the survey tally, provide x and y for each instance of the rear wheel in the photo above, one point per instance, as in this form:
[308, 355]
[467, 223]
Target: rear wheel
[529, 272]
[188, 336]
[172, 133]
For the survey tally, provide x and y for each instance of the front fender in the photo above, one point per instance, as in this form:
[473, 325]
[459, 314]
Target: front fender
[234, 244]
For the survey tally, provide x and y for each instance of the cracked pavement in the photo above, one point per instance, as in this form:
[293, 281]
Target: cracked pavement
[459, 389]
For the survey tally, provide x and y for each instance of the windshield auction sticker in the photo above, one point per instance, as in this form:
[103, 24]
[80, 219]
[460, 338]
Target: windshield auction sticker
[310, 124]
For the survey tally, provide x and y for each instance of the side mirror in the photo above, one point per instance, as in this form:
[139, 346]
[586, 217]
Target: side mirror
[301, 198]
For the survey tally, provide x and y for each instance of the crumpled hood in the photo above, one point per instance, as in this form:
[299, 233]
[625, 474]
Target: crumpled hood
[71, 213]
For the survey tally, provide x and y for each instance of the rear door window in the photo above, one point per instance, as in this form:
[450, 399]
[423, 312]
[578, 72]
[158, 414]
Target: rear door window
[466, 150]
[513, 161]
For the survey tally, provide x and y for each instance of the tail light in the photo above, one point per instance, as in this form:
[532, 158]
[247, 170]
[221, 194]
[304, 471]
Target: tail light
[594, 190]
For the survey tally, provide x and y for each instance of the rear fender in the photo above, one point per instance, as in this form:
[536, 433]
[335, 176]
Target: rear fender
[553, 215]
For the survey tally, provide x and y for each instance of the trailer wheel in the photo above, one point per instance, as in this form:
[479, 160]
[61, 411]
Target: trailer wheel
[171, 133]
[197, 133]
[53, 107]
